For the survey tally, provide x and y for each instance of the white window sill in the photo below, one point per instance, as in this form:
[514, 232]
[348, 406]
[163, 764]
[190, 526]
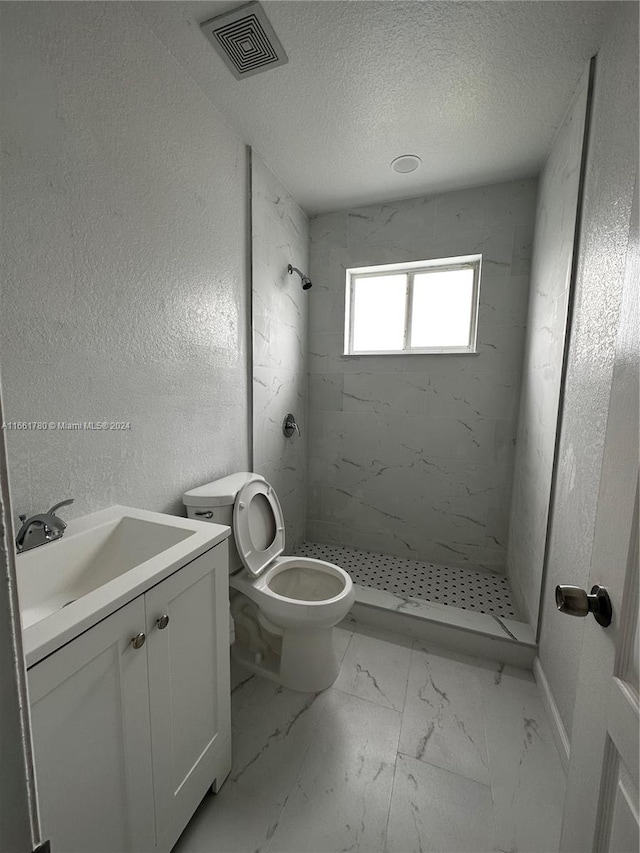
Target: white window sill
[447, 351]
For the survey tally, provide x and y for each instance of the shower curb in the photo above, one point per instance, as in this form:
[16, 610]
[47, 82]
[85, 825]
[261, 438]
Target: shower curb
[474, 634]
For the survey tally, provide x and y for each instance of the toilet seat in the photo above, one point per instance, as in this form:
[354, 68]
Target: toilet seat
[283, 605]
[258, 526]
[289, 590]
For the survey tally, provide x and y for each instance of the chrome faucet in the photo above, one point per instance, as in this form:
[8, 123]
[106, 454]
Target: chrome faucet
[41, 528]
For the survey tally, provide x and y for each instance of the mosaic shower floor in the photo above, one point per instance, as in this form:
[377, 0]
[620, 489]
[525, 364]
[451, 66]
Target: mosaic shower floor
[463, 588]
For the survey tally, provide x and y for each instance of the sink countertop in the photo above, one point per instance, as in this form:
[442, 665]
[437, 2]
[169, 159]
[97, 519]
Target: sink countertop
[45, 636]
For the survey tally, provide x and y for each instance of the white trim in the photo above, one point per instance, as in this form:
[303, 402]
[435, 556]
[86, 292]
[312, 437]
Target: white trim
[558, 730]
[431, 351]
[19, 812]
[408, 309]
[381, 269]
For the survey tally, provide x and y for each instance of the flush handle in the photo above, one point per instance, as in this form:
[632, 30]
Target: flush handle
[574, 601]
[139, 640]
[163, 621]
[205, 514]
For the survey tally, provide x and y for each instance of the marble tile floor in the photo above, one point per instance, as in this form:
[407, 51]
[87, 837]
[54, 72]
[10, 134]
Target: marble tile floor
[467, 589]
[413, 748]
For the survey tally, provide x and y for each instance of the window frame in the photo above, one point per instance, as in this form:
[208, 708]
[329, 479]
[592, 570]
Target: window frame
[412, 268]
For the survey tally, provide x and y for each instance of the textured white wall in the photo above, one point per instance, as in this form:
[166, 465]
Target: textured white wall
[611, 171]
[413, 454]
[280, 236]
[124, 291]
[544, 350]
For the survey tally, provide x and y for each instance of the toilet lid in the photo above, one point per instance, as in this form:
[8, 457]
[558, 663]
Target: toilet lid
[258, 525]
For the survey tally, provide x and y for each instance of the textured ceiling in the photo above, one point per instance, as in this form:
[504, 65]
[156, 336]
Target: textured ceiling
[476, 89]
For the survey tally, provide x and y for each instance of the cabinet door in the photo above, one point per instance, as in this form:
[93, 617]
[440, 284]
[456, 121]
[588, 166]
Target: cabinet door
[92, 740]
[189, 688]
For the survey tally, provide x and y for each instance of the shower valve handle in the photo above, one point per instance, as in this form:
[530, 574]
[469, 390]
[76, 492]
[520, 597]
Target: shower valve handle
[290, 426]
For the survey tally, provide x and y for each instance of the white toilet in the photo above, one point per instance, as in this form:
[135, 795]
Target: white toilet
[288, 606]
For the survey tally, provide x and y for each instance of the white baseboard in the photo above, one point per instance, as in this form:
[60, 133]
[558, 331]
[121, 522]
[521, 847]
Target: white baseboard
[557, 726]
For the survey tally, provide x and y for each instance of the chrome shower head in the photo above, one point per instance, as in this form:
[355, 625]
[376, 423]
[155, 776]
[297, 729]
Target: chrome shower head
[306, 281]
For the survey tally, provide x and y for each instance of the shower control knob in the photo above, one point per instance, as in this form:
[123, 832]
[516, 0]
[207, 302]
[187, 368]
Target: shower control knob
[574, 601]
[289, 425]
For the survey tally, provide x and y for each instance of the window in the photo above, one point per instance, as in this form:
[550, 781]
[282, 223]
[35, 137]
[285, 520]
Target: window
[422, 307]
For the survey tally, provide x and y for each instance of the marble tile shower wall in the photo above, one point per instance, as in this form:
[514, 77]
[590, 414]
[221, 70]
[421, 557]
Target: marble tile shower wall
[280, 236]
[543, 357]
[413, 454]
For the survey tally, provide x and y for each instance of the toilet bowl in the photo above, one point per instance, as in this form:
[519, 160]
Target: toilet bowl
[297, 600]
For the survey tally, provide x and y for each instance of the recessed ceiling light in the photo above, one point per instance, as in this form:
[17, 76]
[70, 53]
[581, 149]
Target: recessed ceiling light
[406, 163]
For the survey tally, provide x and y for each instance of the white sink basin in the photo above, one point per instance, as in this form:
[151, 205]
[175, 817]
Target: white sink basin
[54, 575]
[103, 561]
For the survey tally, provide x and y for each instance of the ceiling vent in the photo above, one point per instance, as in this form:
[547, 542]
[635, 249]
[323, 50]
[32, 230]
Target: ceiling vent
[245, 40]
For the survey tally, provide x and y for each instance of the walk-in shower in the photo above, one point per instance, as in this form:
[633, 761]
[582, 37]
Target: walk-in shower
[419, 474]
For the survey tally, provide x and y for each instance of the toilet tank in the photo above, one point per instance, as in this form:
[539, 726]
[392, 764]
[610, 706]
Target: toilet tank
[214, 502]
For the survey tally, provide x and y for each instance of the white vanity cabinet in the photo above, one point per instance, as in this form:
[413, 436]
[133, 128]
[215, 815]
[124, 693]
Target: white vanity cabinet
[128, 740]
[189, 692]
[92, 739]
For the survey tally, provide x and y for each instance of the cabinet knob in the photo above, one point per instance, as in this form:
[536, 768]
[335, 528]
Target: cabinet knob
[139, 640]
[163, 621]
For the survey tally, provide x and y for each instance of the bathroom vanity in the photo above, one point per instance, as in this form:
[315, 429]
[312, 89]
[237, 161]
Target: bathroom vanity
[129, 682]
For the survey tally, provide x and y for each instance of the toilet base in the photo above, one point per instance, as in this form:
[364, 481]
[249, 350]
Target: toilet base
[308, 662]
[267, 666]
